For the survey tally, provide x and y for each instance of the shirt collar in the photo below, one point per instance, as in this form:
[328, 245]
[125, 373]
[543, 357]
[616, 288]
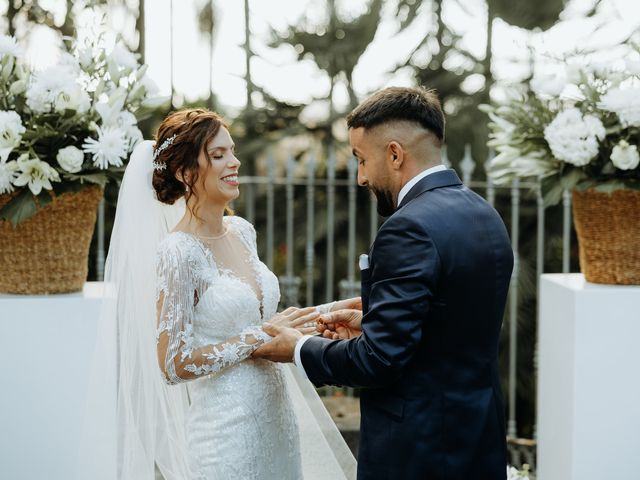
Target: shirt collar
[411, 183]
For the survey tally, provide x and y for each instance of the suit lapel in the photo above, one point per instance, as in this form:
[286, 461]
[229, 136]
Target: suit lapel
[445, 178]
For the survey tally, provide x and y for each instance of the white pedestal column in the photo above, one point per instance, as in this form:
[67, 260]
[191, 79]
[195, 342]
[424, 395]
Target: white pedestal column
[588, 380]
[48, 343]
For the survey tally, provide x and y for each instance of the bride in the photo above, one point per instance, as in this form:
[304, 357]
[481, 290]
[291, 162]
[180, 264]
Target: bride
[193, 403]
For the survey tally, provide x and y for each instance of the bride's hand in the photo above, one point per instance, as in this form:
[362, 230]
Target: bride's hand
[296, 318]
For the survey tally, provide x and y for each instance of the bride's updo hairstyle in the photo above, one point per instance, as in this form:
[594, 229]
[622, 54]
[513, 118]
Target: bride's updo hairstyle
[192, 130]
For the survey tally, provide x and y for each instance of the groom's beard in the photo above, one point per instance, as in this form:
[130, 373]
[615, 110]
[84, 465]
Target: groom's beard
[384, 200]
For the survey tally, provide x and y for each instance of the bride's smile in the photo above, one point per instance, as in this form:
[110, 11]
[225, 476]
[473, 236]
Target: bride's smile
[219, 169]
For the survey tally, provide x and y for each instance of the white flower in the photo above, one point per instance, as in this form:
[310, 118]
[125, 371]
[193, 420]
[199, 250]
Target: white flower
[625, 102]
[8, 46]
[515, 474]
[573, 138]
[70, 158]
[71, 63]
[574, 71]
[36, 173]
[74, 99]
[7, 176]
[632, 66]
[548, 85]
[85, 57]
[110, 110]
[56, 87]
[11, 130]
[155, 102]
[128, 122]
[120, 62]
[510, 163]
[149, 85]
[625, 156]
[600, 68]
[18, 87]
[109, 149]
[123, 58]
[112, 116]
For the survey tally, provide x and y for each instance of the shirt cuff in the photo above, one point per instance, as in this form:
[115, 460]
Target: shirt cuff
[296, 355]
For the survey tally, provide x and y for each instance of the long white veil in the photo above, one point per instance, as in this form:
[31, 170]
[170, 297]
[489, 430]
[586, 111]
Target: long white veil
[133, 420]
[147, 426]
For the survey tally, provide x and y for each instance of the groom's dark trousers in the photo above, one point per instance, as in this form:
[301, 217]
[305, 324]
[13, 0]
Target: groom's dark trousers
[427, 360]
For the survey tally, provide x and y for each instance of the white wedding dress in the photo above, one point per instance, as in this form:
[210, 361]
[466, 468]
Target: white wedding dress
[213, 412]
[240, 421]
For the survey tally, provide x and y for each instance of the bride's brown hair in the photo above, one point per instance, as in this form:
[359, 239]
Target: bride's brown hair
[193, 128]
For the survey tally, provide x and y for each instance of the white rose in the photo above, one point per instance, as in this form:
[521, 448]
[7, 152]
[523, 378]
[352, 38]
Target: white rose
[574, 138]
[11, 130]
[70, 159]
[625, 156]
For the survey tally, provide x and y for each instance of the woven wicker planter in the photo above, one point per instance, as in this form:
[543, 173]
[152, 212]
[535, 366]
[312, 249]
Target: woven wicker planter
[48, 253]
[608, 228]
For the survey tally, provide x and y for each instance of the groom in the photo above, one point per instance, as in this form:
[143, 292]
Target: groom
[425, 348]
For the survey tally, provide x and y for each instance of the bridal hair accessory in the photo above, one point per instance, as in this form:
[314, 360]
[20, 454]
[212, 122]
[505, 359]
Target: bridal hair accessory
[159, 166]
[158, 151]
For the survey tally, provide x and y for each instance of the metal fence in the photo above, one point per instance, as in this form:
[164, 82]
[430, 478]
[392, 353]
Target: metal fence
[295, 215]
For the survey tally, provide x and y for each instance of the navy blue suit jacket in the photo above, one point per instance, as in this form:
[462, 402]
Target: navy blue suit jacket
[427, 360]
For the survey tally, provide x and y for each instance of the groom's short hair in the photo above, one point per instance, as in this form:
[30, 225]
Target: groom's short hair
[416, 104]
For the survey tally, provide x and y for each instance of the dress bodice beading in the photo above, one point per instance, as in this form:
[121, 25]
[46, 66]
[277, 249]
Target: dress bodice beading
[210, 314]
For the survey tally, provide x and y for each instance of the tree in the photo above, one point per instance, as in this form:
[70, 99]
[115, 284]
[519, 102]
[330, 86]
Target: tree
[335, 44]
[31, 11]
[206, 25]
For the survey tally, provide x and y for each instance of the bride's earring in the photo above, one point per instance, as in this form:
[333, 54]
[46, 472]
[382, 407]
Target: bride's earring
[186, 188]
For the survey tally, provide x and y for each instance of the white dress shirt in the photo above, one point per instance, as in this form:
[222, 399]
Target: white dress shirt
[411, 183]
[403, 192]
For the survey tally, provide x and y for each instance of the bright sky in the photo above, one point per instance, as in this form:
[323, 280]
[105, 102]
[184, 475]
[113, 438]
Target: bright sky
[279, 72]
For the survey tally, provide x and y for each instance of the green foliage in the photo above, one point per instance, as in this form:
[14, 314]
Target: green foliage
[541, 14]
[335, 44]
[19, 208]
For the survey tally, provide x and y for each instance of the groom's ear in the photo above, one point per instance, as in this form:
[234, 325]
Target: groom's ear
[395, 153]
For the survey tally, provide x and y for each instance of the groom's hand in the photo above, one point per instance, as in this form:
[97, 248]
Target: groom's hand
[341, 324]
[283, 345]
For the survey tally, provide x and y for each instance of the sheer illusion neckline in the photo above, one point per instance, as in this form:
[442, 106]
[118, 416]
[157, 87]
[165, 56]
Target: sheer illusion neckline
[211, 237]
[224, 271]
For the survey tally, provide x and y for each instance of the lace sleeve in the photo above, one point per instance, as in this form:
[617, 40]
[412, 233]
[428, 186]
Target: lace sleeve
[176, 296]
